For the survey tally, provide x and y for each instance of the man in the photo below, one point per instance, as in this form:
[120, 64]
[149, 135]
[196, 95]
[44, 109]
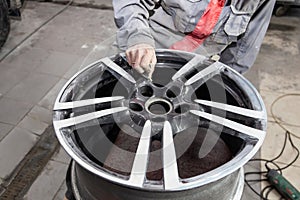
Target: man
[231, 29]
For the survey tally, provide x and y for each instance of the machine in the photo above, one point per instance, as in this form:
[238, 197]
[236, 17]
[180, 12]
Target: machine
[8, 9]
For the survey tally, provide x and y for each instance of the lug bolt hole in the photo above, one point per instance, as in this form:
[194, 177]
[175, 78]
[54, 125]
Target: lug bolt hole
[183, 108]
[135, 107]
[146, 91]
[173, 92]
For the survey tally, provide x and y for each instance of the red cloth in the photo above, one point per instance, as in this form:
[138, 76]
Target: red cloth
[203, 28]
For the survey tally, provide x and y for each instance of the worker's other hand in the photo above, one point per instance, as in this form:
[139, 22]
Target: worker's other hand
[142, 58]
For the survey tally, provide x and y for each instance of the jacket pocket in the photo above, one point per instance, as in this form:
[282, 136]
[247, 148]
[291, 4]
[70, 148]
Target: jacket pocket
[239, 18]
[185, 13]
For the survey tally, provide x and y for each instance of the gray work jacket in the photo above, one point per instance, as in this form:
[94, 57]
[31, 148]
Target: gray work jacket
[236, 37]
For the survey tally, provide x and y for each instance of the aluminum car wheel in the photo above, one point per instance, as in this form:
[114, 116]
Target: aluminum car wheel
[190, 96]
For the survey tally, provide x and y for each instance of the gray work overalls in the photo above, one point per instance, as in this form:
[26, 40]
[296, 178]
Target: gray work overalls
[236, 37]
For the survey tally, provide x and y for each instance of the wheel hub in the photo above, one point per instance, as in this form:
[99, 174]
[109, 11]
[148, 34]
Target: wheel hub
[158, 107]
[196, 124]
[157, 103]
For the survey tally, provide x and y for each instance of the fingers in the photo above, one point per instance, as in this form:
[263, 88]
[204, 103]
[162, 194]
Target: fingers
[146, 61]
[137, 58]
[152, 65]
[142, 58]
[132, 58]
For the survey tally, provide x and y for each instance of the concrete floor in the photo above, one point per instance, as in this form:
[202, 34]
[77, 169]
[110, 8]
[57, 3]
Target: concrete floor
[279, 75]
[32, 75]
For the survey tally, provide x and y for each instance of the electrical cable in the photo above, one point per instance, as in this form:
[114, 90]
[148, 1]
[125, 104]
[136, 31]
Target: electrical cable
[265, 192]
[36, 30]
[280, 123]
[270, 188]
[264, 173]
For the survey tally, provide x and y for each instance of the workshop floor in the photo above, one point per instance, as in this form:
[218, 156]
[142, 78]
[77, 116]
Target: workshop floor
[32, 75]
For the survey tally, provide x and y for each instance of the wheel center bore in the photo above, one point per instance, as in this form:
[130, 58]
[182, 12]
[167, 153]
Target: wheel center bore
[158, 106]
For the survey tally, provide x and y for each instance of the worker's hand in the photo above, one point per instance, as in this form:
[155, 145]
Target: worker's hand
[142, 58]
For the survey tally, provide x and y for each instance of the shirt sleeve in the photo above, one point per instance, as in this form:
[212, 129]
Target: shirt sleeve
[242, 54]
[131, 18]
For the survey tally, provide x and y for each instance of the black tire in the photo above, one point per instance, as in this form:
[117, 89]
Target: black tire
[4, 22]
[281, 10]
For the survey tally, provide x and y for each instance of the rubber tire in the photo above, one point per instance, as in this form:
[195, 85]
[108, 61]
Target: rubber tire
[281, 10]
[4, 22]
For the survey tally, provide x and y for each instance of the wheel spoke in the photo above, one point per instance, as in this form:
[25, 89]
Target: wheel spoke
[116, 68]
[124, 106]
[86, 117]
[87, 102]
[187, 67]
[139, 168]
[205, 74]
[171, 177]
[234, 109]
[259, 134]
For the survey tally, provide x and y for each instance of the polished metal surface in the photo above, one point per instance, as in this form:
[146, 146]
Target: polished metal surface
[108, 99]
[229, 188]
